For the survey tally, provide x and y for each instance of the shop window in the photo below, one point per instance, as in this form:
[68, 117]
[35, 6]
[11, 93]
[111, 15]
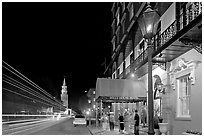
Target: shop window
[183, 98]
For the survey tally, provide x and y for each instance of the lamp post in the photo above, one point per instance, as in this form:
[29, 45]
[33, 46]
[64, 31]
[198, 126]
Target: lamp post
[148, 22]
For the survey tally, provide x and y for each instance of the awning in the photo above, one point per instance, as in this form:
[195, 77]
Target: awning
[120, 88]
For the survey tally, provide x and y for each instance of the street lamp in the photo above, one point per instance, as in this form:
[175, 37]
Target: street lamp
[132, 75]
[148, 22]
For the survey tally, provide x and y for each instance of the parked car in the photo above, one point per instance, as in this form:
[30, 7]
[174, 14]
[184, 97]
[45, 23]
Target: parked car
[79, 120]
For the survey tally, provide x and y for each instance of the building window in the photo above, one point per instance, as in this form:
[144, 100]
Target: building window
[131, 58]
[181, 18]
[118, 71]
[183, 98]
[118, 18]
[113, 27]
[131, 11]
[121, 68]
[113, 42]
[123, 26]
[118, 38]
[123, 6]
[113, 45]
[114, 75]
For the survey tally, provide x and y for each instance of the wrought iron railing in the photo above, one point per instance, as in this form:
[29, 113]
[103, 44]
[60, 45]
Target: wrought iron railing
[191, 13]
[127, 70]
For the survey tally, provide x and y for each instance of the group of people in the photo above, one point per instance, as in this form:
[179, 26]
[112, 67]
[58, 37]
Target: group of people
[108, 121]
[127, 119]
[125, 122]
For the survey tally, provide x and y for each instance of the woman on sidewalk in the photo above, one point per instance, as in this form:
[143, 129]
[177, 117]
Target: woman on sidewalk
[104, 120]
[126, 121]
[111, 120]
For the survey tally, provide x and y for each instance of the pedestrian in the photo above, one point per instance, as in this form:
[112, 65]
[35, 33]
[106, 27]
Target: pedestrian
[126, 121]
[103, 121]
[136, 125]
[121, 120]
[106, 122]
[111, 120]
[143, 117]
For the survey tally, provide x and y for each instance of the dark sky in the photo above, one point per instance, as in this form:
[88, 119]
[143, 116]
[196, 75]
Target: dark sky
[47, 41]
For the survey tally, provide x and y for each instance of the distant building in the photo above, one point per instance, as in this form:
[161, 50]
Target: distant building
[64, 95]
[177, 58]
[92, 101]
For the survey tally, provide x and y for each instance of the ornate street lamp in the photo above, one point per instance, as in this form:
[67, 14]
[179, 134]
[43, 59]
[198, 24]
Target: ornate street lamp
[148, 23]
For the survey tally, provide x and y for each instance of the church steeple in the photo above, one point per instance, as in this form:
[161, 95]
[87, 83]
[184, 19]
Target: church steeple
[64, 87]
[64, 95]
[64, 83]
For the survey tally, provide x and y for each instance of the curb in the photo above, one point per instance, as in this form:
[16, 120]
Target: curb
[90, 131]
[95, 132]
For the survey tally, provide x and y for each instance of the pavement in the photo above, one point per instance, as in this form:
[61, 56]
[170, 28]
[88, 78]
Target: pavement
[100, 131]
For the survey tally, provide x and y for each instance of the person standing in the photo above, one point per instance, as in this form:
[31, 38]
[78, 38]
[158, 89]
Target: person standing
[143, 117]
[104, 121]
[121, 120]
[126, 121]
[136, 126]
[111, 120]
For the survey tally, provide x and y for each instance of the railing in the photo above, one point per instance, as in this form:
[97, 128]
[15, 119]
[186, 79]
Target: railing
[141, 58]
[127, 70]
[191, 13]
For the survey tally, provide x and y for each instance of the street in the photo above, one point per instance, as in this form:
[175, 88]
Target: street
[63, 126]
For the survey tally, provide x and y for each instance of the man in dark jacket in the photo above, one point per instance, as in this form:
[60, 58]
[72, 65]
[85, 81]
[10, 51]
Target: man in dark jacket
[136, 125]
[121, 120]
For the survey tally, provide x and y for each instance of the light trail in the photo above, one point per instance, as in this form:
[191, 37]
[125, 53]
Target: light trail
[27, 91]
[26, 79]
[24, 96]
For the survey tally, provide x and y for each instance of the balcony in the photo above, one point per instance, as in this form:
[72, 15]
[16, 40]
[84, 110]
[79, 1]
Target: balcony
[176, 39]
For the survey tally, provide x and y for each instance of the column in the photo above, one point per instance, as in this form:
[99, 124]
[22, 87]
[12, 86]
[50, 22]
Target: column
[97, 124]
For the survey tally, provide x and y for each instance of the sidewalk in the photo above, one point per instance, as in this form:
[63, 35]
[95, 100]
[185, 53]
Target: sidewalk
[99, 131]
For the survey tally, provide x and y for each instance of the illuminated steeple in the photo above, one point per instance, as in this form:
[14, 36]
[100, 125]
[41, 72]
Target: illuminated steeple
[64, 87]
[64, 95]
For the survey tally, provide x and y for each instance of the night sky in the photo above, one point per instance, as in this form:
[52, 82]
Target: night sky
[47, 41]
